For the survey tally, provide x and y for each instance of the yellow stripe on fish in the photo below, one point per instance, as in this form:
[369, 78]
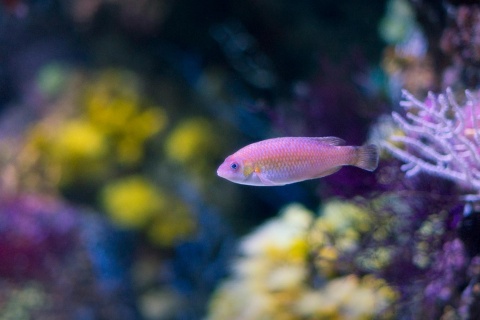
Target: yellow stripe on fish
[280, 161]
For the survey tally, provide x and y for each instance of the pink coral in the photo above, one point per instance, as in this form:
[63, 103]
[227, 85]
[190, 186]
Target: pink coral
[440, 137]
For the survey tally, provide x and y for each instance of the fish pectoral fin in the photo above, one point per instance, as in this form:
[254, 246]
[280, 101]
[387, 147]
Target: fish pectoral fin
[266, 181]
[327, 173]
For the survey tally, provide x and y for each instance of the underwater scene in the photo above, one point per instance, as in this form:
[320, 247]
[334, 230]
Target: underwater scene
[239, 160]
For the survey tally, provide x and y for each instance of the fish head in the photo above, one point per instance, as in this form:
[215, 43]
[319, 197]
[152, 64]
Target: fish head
[235, 169]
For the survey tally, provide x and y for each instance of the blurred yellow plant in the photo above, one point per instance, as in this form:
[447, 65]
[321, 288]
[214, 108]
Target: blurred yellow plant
[113, 103]
[133, 201]
[99, 124]
[96, 127]
[136, 203]
[175, 223]
[70, 150]
[78, 139]
[194, 143]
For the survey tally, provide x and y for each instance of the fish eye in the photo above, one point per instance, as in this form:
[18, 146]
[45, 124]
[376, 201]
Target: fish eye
[234, 166]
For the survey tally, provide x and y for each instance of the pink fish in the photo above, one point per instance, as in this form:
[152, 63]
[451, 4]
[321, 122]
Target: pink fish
[280, 161]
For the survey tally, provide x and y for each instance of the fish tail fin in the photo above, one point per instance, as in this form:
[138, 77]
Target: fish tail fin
[367, 157]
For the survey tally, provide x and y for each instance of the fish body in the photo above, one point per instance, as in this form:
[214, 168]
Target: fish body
[280, 161]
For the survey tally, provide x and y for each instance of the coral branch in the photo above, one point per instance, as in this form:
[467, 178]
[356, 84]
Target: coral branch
[440, 137]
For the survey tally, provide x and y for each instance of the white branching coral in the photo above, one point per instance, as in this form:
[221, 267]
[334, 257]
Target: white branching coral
[440, 137]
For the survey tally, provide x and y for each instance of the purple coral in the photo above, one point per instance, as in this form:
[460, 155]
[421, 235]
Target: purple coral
[35, 235]
[43, 241]
[447, 272]
[440, 138]
[470, 300]
[445, 278]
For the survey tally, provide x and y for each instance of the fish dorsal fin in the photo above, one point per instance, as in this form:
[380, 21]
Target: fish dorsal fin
[332, 141]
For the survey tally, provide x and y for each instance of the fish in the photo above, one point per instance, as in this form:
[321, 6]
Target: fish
[285, 160]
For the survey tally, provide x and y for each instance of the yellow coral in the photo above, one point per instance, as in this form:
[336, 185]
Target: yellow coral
[340, 216]
[282, 237]
[349, 297]
[132, 202]
[298, 249]
[375, 258]
[272, 272]
[326, 260]
[270, 279]
[341, 224]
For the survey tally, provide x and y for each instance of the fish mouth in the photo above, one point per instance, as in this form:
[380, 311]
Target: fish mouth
[221, 172]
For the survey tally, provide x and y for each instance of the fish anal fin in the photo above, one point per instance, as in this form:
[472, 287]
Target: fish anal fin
[327, 173]
[331, 141]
